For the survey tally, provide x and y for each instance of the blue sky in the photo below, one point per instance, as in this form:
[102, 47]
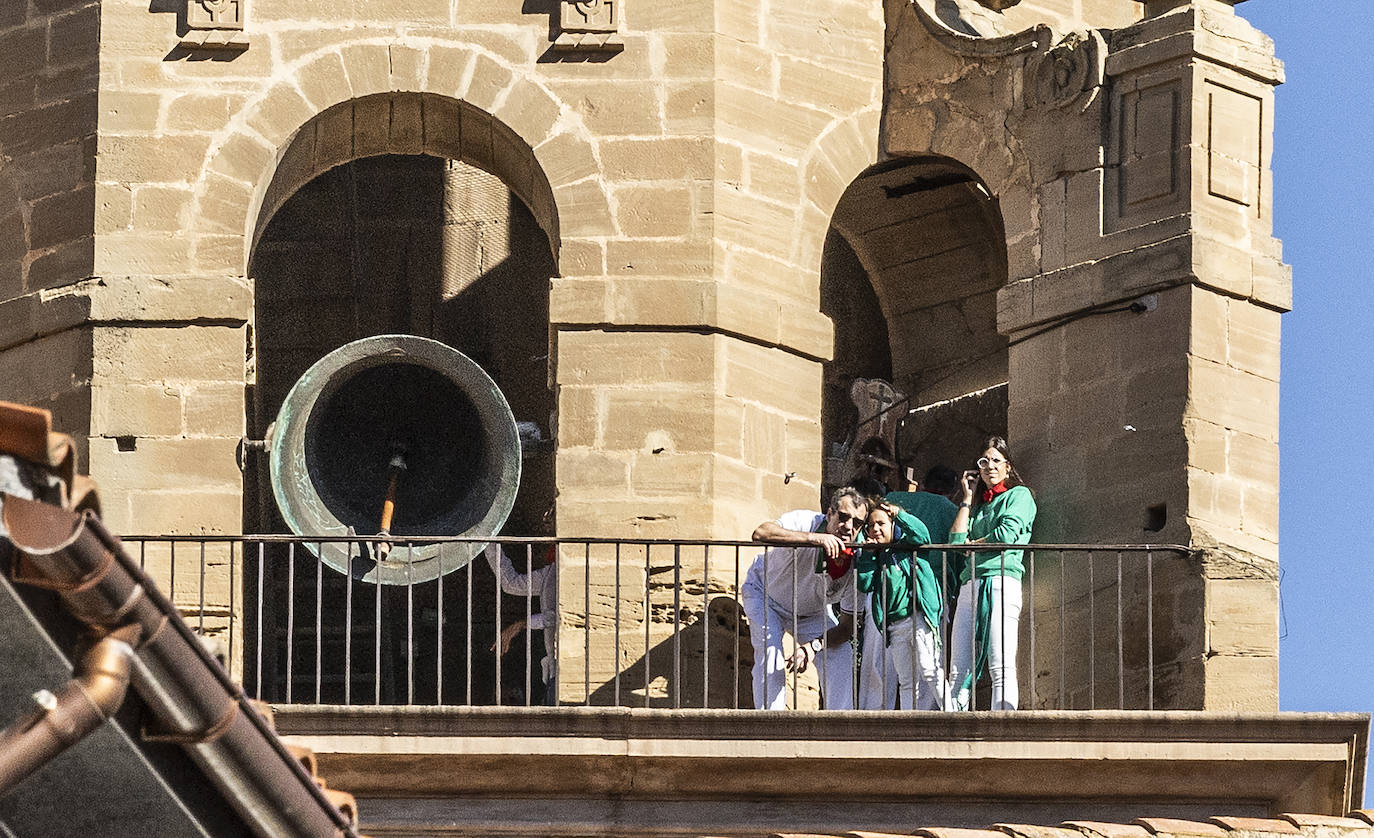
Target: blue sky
[1323, 196]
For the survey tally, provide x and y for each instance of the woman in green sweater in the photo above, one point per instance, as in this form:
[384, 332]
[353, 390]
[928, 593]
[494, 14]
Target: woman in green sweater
[996, 508]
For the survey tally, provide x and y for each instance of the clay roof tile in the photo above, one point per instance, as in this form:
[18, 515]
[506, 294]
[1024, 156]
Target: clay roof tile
[1176, 826]
[1256, 825]
[1356, 820]
[1110, 830]
[1022, 830]
[959, 832]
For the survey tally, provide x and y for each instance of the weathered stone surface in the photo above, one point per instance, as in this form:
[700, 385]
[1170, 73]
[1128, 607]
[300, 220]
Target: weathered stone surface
[688, 187]
[195, 353]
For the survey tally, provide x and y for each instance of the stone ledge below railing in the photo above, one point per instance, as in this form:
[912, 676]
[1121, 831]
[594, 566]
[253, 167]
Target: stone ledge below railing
[618, 771]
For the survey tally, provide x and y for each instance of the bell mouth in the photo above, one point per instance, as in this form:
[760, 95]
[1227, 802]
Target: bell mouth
[403, 419]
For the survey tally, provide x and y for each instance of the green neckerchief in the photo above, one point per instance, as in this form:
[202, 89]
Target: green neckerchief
[982, 634]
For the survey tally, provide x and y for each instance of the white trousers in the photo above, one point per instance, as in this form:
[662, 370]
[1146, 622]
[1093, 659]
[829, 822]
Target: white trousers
[768, 622]
[907, 665]
[1006, 615]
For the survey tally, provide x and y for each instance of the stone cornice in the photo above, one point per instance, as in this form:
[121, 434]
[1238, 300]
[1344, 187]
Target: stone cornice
[1192, 32]
[707, 305]
[1279, 762]
[116, 299]
[1183, 259]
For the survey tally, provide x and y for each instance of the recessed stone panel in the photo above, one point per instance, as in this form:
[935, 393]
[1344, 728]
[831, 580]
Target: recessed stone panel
[1149, 137]
[1234, 123]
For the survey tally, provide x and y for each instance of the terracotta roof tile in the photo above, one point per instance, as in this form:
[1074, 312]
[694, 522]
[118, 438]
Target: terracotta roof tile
[959, 832]
[1110, 830]
[1175, 826]
[1024, 830]
[1256, 825]
[1354, 821]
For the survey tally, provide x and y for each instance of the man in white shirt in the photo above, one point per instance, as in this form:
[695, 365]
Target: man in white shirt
[541, 582]
[790, 588]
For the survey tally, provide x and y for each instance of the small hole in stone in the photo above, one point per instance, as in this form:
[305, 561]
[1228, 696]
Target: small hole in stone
[1156, 517]
[126, 443]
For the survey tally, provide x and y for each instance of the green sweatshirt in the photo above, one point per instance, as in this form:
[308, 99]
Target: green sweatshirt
[1006, 519]
[891, 573]
[937, 513]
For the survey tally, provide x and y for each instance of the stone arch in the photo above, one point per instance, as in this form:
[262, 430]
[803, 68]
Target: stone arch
[923, 235]
[410, 123]
[982, 144]
[436, 83]
[841, 153]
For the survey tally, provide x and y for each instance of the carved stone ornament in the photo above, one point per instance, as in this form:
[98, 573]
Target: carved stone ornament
[871, 445]
[215, 24]
[1071, 72]
[966, 27]
[589, 26]
[999, 5]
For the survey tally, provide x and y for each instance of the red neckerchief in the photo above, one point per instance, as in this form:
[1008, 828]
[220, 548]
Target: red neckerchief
[989, 494]
[839, 566]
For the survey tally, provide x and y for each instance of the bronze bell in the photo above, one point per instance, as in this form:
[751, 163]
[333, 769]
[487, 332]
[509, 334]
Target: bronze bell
[394, 435]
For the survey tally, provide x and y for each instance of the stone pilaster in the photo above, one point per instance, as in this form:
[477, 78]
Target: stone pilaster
[1161, 423]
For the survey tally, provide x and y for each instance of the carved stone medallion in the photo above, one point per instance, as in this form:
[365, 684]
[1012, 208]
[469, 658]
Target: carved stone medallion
[589, 25]
[215, 24]
[1070, 72]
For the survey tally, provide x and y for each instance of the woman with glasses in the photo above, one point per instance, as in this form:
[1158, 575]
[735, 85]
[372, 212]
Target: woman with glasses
[995, 508]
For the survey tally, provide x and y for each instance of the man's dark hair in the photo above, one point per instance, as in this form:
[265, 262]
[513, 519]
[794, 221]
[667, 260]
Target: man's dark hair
[855, 496]
[940, 480]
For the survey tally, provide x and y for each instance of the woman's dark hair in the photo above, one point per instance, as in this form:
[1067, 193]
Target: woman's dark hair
[940, 480]
[869, 486]
[999, 445]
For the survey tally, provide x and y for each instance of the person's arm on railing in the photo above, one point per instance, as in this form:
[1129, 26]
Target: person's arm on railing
[911, 531]
[771, 532]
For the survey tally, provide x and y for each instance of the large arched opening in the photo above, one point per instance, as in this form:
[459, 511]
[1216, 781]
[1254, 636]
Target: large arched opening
[913, 261]
[367, 229]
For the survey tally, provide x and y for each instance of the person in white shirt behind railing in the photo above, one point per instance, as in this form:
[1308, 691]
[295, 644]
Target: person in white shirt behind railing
[540, 581]
[790, 589]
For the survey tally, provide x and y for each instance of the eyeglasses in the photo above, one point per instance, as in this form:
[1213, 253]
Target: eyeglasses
[988, 462]
[854, 520]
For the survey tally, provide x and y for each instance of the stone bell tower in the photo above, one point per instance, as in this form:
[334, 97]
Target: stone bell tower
[1058, 207]
[1129, 156]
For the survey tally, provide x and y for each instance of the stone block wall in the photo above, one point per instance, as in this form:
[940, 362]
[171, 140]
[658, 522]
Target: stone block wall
[49, 55]
[677, 216]
[684, 186]
[1142, 317]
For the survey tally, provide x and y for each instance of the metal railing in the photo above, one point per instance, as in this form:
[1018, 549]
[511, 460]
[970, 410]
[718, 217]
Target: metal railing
[640, 623]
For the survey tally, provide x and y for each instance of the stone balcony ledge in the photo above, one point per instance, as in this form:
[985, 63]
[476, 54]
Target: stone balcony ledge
[896, 768]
